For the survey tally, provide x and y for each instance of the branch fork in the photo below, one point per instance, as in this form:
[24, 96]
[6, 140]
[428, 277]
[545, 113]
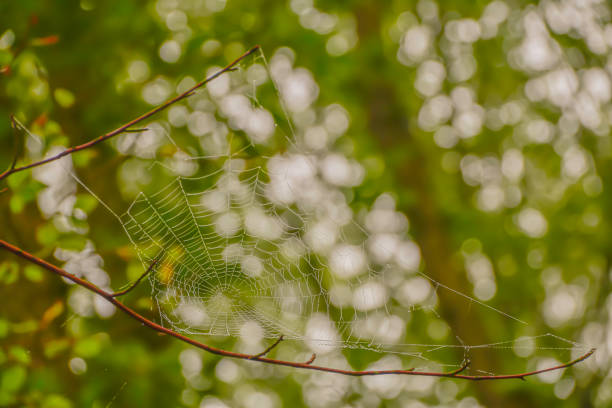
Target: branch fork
[269, 349]
[127, 126]
[133, 285]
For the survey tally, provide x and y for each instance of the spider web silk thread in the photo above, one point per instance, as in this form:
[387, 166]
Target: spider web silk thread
[218, 271]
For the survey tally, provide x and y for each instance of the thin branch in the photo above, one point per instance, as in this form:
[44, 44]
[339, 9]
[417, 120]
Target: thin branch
[231, 354]
[133, 285]
[124, 127]
[135, 130]
[311, 359]
[269, 349]
[466, 364]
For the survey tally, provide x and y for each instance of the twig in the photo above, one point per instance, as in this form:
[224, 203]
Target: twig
[466, 364]
[131, 123]
[133, 285]
[311, 359]
[269, 349]
[135, 130]
[231, 354]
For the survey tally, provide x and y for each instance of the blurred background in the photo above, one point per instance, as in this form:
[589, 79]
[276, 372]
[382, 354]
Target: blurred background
[473, 136]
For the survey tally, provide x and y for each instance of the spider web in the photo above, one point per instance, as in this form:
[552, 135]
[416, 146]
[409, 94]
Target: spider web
[255, 242]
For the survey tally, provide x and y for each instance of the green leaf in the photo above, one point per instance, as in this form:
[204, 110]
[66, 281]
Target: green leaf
[33, 273]
[17, 179]
[46, 234]
[72, 242]
[20, 354]
[64, 97]
[86, 203]
[5, 57]
[16, 203]
[82, 158]
[27, 326]
[4, 328]
[6, 398]
[13, 378]
[90, 346]
[9, 272]
[55, 347]
[56, 401]
[28, 192]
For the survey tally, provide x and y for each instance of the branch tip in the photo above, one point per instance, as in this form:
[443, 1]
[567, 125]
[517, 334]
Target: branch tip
[311, 359]
[269, 349]
[466, 363]
[126, 126]
[133, 285]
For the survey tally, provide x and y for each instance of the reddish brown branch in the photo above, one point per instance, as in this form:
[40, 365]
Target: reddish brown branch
[269, 349]
[311, 359]
[307, 366]
[466, 364]
[133, 285]
[126, 126]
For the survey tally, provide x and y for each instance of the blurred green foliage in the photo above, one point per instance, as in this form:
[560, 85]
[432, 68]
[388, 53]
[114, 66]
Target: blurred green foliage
[65, 75]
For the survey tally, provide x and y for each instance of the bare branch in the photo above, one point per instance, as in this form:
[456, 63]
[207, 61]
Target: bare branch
[133, 285]
[269, 349]
[231, 354]
[466, 364]
[311, 359]
[135, 130]
[124, 127]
